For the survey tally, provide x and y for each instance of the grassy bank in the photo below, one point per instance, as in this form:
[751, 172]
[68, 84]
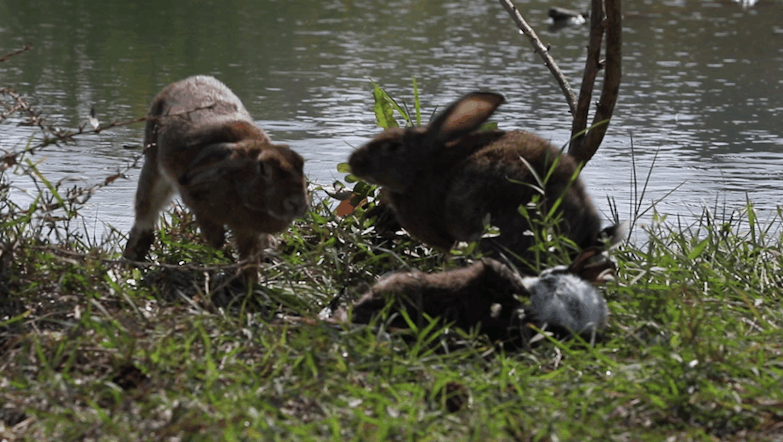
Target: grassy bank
[94, 349]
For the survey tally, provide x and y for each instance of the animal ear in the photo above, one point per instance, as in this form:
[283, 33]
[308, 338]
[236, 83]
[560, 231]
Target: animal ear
[593, 272]
[270, 158]
[582, 259]
[209, 155]
[464, 116]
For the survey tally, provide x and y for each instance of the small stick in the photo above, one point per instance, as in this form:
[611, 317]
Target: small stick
[27, 47]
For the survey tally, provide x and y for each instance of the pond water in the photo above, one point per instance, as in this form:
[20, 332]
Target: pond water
[702, 84]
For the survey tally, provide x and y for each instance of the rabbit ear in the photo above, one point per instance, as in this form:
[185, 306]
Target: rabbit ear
[582, 259]
[595, 272]
[208, 155]
[464, 116]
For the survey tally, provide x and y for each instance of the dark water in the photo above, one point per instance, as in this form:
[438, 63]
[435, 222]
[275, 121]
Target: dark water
[702, 83]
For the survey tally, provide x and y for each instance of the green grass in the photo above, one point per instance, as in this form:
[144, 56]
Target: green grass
[92, 349]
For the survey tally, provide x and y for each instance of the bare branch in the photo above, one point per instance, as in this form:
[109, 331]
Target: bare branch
[611, 87]
[58, 198]
[55, 135]
[543, 52]
[585, 142]
[18, 104]
[54, 196]
[26, 48]
[592, 66]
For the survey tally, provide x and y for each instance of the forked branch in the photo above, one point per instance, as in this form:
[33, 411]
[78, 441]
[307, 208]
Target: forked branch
[584, 142]
[592, 66]
[611, 87]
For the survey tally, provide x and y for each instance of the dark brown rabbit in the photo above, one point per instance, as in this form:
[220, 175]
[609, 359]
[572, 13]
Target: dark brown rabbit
[201, 142]
[442, 180]
[483, 293]
[489, 294]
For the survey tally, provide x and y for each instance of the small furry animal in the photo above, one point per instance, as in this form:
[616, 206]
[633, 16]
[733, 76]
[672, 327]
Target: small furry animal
[567, 302]
[563, 298]
[490, 294]
[482, 293]
[201, 141]
[442, 180]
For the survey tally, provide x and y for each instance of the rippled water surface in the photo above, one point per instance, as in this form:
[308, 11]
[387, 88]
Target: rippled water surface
[702, 84]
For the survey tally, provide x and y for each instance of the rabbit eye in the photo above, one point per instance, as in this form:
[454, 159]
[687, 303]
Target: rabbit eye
[262, 168]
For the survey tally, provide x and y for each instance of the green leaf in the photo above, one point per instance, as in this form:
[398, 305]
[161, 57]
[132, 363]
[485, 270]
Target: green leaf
[490, 125]
[364, 189]
[356, 200]
[384, 114]
[523, 211]
[698, 249]
[351, 179]
[399, 109]
[343, 168]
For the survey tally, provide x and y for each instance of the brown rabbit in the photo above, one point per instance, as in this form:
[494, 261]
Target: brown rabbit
[443, 179]
[483, 293]
[201, 141]
[490, 294]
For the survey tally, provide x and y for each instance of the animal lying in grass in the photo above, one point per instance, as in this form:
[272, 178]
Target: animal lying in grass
[482, 293]
[563, 299]
[491, 295]
[442, 180]
[201, 142]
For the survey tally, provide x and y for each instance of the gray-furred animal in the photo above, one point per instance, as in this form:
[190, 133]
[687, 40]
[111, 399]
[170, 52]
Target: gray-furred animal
[200, 141]
[563, 298]
[442, 180]
[566, 302]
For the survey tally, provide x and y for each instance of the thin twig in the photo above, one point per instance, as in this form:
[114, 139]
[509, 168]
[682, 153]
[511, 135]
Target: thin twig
[55, 135]
[543, 52]
[18, 103]
[72, 197]
[26, 48]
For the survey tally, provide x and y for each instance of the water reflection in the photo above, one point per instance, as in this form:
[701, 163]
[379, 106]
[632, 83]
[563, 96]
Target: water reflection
[702, 85]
